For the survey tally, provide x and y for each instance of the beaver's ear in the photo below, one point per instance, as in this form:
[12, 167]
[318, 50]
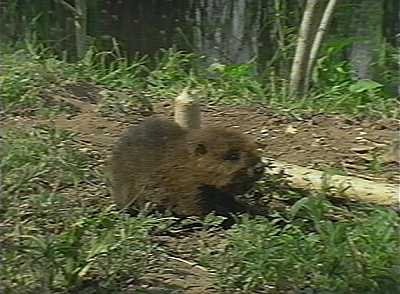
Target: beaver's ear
[200, 149]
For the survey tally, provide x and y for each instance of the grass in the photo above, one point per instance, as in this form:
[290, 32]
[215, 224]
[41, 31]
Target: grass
[57, 237]
[53, 238]
[60, 232]
[376, 165]
[311, 254]
[26, 72]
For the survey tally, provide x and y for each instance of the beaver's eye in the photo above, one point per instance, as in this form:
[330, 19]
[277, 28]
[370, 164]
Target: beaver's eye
[232, 155]
[200, 149]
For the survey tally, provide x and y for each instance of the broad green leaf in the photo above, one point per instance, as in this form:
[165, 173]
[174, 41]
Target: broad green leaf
[364, 85]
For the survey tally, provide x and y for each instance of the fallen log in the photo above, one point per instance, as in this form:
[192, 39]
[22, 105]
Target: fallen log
[350, 187]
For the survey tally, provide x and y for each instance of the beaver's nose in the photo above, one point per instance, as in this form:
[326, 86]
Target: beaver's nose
[256, 170]
[259, 168]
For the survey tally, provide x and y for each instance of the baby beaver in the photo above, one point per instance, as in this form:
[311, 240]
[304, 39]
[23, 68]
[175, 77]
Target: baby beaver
[189, 172]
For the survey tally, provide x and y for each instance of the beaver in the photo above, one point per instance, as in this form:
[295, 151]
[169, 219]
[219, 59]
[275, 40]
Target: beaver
[190, 172]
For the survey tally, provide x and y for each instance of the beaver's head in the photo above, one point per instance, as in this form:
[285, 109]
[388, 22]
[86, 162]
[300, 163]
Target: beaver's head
[224, 159]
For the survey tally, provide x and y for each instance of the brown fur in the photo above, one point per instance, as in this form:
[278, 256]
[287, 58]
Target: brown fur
[187, 172]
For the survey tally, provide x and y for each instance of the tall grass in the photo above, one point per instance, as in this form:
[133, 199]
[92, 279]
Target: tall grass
[25, 72]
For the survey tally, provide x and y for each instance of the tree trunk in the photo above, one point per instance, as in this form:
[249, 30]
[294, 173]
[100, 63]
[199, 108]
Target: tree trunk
[227, 31]
[367, 22]
[391, 24]
[301, 57]
[80, 28]
[318, 40]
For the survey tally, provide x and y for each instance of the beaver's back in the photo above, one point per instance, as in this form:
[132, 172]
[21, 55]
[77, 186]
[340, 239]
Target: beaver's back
[138, 154]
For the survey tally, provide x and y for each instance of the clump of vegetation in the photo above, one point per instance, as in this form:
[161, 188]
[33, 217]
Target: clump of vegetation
[22, 76]
[53, 239]
[110, 69]
[314, 247]
[35, 159]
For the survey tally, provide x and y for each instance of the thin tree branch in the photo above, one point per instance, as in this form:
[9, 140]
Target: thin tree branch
[302, 51]
[68, 6]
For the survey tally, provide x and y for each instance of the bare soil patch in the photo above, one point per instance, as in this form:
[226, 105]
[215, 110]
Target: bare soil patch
[318, 141]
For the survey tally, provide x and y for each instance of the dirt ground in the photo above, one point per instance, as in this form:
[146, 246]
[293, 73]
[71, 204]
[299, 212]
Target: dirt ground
[356, 147]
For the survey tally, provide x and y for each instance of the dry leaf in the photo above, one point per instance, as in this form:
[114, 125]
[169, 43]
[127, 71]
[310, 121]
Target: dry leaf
[291, 130]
